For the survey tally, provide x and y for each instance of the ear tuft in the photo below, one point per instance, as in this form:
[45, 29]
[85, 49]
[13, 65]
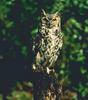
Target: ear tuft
[43, 12]
[57, 14]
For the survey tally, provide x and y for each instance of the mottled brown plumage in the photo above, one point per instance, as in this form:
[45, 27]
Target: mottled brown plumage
[48, 43]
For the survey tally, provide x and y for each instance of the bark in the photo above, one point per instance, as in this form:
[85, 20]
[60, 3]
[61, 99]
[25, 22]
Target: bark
[46, 87]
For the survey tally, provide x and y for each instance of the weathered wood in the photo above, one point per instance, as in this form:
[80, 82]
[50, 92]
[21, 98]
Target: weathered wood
[46, 87]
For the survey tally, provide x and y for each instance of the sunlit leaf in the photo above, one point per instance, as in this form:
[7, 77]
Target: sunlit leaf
[86, 29]
[83, 70]
[34, 32]
[9, 24]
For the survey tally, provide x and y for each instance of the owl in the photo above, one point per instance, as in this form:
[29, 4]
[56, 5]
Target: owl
[47, 43]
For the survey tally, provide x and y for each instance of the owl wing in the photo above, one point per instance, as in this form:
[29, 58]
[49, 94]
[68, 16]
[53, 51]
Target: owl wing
[37, 56]
[36, 43]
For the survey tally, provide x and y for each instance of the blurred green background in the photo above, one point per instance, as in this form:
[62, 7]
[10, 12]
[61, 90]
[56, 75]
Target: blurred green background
[18, 26]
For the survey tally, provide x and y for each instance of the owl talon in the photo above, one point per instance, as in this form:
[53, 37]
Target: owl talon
[48, 70]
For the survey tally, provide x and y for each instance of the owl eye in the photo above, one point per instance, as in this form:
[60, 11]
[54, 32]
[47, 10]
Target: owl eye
[54, 19]
[44, 19]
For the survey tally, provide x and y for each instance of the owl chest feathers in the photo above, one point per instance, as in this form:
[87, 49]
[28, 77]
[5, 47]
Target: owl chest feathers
[51, 39]
[49, 46]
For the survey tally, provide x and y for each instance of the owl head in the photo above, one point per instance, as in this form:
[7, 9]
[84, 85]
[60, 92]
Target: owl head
[50, 20]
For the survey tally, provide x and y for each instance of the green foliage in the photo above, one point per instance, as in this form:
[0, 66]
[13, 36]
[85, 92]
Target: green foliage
[1, 97]
[20, 95]
[82, 89]
[19, 24]
[21, 92]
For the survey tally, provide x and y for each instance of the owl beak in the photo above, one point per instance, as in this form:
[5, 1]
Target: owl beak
[49, 23]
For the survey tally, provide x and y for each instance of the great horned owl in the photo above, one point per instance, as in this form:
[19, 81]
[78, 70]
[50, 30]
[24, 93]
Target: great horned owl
[47, 43]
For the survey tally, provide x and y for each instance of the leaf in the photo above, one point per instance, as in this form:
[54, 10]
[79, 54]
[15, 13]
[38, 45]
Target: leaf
[8, 24]
[77, 24]
[83, 70]
[34, 32]
[24, 50]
